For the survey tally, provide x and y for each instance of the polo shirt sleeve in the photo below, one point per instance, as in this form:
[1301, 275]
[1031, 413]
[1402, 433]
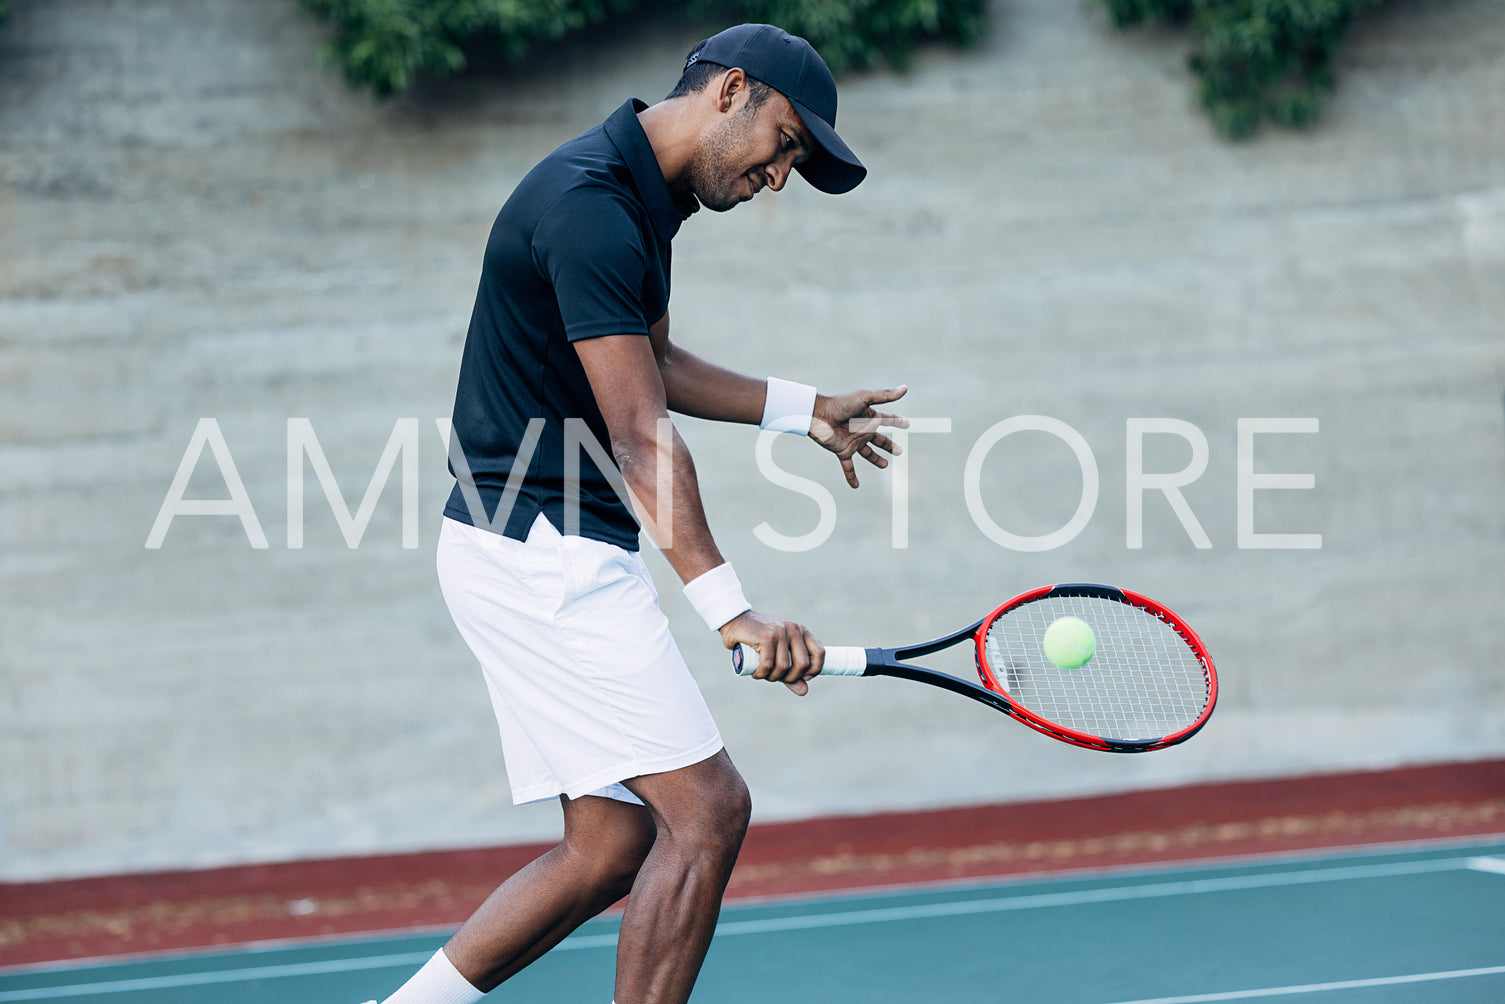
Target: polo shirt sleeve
[590, 245]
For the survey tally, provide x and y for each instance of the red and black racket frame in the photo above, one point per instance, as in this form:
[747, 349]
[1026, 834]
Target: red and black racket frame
[893, 662]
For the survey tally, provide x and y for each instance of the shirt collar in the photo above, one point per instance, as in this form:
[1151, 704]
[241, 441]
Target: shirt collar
[626, 133]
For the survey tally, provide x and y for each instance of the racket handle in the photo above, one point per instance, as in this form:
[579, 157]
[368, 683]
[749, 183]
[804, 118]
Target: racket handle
[841, 660]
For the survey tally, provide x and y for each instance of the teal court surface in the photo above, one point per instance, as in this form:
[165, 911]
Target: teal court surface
[1411, 924]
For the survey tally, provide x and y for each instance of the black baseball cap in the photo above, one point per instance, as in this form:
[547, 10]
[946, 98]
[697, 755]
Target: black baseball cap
[791, 66]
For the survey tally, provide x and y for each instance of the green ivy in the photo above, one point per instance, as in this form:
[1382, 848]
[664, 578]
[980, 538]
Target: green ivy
[386, 44]
[857, 34]
[1255, 60]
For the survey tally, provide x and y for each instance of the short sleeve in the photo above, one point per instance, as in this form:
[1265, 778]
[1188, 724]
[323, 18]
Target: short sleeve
[590, 245]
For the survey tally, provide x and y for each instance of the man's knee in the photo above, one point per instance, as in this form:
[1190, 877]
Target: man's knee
[612, 844]
[736, 807]
[702, 809]
[717, 818]
[619, 858]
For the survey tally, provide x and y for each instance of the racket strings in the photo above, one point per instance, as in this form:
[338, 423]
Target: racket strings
[1144, 681]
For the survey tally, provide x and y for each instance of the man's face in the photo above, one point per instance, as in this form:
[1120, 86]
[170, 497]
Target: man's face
[747, 150]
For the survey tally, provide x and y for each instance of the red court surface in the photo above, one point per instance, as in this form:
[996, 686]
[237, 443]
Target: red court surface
[115, 915]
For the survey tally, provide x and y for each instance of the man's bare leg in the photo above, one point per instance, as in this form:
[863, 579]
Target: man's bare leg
[605, 843]
[701, 814]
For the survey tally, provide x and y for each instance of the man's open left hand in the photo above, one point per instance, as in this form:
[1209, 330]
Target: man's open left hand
[848, 426]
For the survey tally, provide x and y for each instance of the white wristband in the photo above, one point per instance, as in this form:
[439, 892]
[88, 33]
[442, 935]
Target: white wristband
[788, 406]
[717, 596]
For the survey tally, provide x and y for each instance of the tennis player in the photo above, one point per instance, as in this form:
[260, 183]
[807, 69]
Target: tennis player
[568, 351]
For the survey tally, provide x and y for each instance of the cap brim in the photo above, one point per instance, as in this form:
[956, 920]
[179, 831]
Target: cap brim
[833, 168]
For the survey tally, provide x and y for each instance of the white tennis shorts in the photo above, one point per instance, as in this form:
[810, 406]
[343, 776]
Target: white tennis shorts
[588, 686]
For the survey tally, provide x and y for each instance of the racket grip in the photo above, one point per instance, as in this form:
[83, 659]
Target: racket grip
[841, 660]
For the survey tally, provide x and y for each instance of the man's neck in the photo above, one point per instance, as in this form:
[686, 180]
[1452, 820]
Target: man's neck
[671, 129]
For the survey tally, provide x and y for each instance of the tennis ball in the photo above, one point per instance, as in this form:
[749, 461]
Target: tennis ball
[1069, 642]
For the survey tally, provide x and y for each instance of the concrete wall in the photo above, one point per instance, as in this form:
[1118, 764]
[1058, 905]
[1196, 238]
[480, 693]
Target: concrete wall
[196, 220]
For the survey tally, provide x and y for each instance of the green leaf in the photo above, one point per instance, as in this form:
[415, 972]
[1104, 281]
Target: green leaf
[1255, 60]
[385, 44]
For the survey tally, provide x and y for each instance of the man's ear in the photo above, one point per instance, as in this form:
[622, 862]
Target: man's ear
[729, 86]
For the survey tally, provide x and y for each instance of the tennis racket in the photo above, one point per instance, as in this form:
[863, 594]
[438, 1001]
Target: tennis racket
[1150, 684]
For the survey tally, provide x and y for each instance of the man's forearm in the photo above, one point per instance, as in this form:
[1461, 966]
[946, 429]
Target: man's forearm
[702, 389]
[676, 524]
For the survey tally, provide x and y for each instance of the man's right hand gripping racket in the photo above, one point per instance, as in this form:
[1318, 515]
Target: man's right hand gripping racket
[1149, 683]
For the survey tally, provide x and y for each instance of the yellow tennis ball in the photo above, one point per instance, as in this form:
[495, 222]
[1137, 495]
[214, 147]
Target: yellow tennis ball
[1069, 642]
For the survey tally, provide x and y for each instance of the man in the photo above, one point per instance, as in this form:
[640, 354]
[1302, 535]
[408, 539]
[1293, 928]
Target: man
[569, 348]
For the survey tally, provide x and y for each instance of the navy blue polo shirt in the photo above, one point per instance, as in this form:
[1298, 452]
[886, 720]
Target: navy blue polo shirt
[579, 250]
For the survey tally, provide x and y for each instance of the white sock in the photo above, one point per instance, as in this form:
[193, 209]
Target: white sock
[438, 982]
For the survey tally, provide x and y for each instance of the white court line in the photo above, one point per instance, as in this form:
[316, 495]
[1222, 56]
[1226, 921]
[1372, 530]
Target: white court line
[841, 918]
[1317, 988]
[1495, 865]
[1082, 897]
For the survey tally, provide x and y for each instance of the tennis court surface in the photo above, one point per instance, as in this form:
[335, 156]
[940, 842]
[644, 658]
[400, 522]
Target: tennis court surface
[1419, 920]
